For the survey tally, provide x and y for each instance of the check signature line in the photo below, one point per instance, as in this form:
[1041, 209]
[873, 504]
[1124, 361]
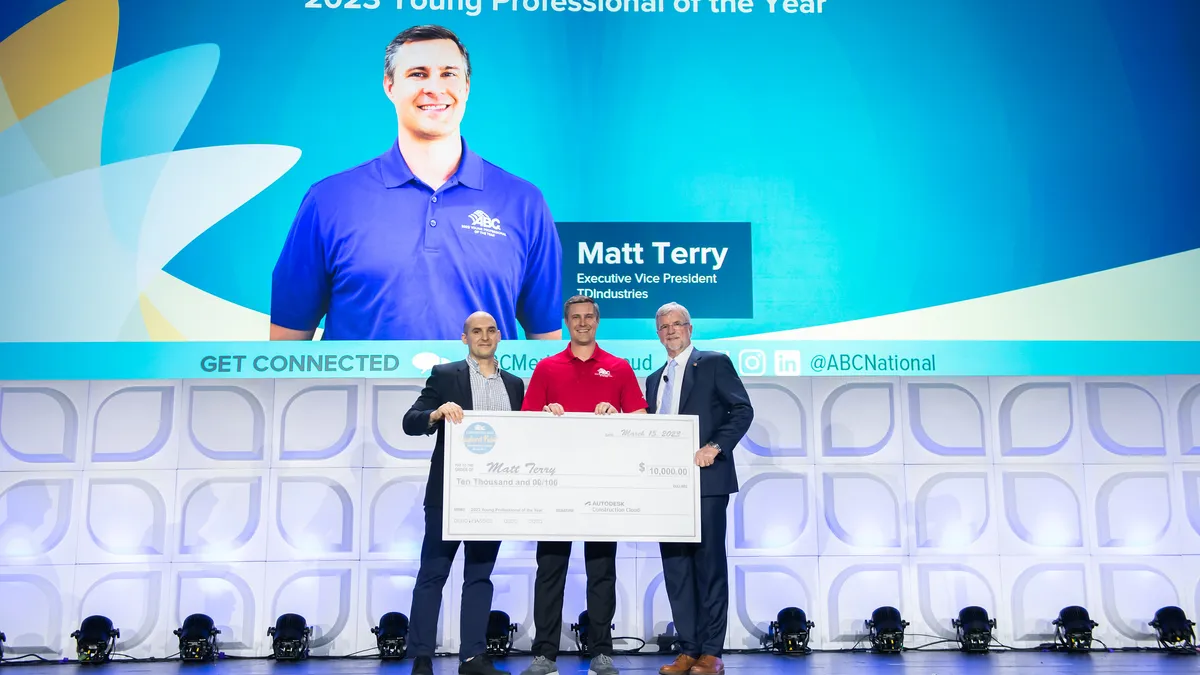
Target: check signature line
[580, 475]
[569, 487]
[482, 514]
[653, 515]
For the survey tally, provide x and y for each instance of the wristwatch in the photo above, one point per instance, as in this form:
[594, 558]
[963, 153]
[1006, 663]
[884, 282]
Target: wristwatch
[717, 446]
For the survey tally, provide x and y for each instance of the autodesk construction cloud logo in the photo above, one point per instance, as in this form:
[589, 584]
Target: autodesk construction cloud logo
[94, 198]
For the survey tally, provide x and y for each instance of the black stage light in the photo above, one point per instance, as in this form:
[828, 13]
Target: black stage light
[197, 638]
[583, 633]
[291, 633]
[500, 634]
[391, 636]
[886, 630]
[974, 629]
[668, 641]
[1073, 629]
[789, 632]
[1174, 630]
[96, 639]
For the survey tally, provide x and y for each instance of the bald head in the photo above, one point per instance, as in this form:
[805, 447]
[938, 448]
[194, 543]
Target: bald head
[475, 319]
[481, 336]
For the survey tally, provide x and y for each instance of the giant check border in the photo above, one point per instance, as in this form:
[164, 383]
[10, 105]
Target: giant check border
[521, 476]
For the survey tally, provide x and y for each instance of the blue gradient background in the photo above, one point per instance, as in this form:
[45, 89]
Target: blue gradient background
[889, 155]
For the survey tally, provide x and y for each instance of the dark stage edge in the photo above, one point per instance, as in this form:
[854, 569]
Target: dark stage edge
[926, 663]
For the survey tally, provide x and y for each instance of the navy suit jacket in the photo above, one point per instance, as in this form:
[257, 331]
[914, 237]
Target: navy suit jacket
[712, 391]
[448, 382]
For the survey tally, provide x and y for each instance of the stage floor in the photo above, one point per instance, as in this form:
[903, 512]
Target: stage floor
[924, 662]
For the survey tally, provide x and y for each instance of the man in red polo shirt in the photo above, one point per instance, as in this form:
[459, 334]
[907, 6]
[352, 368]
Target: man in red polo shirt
[581, 378]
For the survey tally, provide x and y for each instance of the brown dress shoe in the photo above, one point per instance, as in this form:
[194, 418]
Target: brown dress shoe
[708, 665]
[682, 665]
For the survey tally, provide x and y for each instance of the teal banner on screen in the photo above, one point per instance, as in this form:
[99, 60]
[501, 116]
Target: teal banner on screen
[818, 172]
[635, 268]
[751, 358]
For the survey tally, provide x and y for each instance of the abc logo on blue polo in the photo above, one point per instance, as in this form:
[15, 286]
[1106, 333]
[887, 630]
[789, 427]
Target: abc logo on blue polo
[479, 438]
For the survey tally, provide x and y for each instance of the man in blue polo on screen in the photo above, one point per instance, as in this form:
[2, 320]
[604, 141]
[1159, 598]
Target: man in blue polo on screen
[405, 245]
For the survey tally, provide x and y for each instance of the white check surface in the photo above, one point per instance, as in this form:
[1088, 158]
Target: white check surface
[521, 476]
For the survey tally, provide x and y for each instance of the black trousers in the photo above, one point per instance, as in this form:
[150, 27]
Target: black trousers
[600, 563]
[436, 558]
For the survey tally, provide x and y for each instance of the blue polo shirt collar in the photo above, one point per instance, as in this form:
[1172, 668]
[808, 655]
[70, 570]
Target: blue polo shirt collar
[395, 170]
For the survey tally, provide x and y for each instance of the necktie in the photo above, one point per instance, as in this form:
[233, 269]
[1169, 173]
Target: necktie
[668, 385]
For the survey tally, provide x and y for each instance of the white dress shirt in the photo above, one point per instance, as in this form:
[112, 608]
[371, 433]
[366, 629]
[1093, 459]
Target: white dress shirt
[681, 361]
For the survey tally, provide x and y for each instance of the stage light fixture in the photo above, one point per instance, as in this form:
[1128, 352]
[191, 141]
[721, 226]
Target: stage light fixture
[789, 632]
[500, 634]
[290, 636]
[1174, 630]
[96, 639]
[974, 629]
[1073, 629]
[391, 636]
[667, 641]
[197, 638]
[886, 628]
[583, 633]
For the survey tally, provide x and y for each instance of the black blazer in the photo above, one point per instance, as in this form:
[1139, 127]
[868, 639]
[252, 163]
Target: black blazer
[448, 382]
[712, 391]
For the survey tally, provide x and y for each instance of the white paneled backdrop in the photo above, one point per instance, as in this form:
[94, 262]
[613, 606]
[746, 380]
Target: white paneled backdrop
[148, 501]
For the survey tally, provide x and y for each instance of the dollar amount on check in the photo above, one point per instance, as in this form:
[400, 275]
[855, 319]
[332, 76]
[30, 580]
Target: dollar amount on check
[577, 477]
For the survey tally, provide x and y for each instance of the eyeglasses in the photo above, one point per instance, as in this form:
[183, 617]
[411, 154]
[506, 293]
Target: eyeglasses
[678, 325]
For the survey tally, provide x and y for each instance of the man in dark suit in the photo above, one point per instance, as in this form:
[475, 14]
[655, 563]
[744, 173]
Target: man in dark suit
[705, 384]
[475, 383]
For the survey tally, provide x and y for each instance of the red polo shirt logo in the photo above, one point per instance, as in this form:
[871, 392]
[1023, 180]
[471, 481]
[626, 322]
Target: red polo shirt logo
[579, 386]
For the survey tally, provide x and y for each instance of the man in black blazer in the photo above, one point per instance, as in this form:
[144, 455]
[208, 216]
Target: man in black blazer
[475, 383]
[704, 384]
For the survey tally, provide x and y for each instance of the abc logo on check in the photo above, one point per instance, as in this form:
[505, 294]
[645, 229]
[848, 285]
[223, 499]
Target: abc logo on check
[479, 438]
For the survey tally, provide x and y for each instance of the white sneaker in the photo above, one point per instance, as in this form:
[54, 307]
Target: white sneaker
[602, 665]
[541, 666]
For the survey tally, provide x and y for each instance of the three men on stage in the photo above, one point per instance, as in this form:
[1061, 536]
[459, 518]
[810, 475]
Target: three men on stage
[584, 378]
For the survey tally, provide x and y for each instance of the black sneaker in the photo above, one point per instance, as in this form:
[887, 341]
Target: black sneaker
[479, 665]
[422, 665]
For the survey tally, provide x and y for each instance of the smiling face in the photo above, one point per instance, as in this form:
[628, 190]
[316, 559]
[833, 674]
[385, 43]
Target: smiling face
[481, 336]
[582, 320]
[674, 331]
[429, 87]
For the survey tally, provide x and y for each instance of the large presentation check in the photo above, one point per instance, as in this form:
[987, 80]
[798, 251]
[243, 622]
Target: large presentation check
[577, 477]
